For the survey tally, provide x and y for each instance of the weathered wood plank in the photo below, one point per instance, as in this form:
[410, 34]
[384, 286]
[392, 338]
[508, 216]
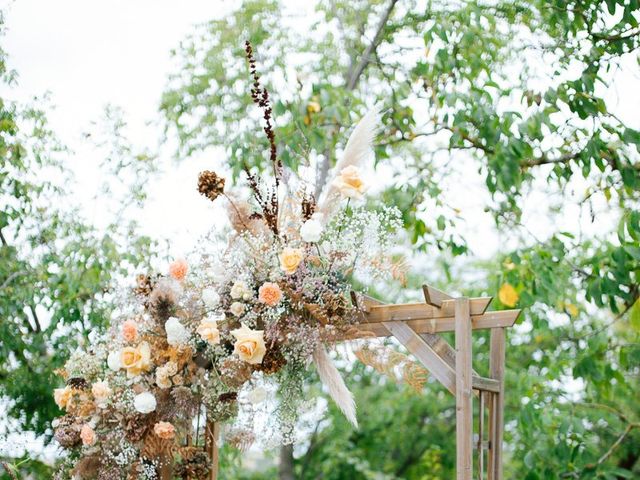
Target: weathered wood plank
[433, 296]
[480, 441]
[496, 367]
[464, 406]
[502, 318]
[212, 433]
[418, 311]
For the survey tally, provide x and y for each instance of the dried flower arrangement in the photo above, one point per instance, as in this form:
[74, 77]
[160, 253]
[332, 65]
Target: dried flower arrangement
[238, 332]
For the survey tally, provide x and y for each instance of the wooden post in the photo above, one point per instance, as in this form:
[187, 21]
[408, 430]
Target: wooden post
[480, 446]
[165, 467]
[496, 405]
[212, 432]
[464, 406]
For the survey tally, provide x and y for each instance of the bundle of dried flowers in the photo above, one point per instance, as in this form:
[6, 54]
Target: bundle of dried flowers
[185, 346]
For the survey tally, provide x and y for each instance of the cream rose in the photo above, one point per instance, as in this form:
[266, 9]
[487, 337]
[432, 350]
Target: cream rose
[237, 308]
[290, 259]
[136, 360]
[62, 396]
[249, 344]
[349, 183]
[208, 330]
[101, 393]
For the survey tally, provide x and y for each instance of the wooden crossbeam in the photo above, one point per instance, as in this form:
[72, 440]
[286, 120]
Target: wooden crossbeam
[434, 297]
[502, 318]
[437, 366]
[416, 311]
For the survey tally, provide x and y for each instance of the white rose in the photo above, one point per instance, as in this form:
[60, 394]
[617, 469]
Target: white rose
[177, 334]
[311, 230]
[238, 290]
[257, 395]
[113, 361]
[210, 297]
[144, 402]
[237, 308]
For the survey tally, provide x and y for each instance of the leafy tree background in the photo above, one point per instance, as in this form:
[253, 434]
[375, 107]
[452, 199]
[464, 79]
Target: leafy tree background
[500, 105]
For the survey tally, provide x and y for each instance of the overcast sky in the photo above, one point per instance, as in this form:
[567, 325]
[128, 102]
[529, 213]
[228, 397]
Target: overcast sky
[89, 54]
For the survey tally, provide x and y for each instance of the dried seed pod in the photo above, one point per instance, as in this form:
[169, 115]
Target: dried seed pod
[210, 184]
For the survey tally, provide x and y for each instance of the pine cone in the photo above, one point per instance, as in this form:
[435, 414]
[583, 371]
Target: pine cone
[210, 185]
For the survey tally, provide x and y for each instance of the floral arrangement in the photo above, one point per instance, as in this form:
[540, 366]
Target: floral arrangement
[230, 337]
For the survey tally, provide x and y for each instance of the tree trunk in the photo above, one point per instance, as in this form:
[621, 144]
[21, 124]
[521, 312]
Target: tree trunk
[285, 469]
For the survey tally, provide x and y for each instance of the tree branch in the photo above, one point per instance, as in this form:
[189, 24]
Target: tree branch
[352, 81]
[366, 57]
[617, 443]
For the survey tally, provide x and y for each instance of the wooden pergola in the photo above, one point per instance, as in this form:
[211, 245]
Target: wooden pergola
[417, 326]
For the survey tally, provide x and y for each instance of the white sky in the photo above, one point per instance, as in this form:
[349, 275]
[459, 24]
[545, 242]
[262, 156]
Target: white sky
[89, 54]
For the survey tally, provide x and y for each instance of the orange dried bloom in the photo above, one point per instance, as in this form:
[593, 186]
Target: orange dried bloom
[178, 269]
[270, 294]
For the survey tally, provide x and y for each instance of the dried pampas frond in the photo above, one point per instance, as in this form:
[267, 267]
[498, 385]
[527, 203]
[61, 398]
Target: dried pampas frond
[358, 148]
[395, 365]
[331, 378]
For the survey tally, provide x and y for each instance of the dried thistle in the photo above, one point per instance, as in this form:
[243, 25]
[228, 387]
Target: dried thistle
[185, 402]
[87, 467]
[144, 285]
[155, 446]
[235, 372]
[195, 464]
[162, 301]
[272, 362]
[210, 184]
[78, 383]
[67, 432]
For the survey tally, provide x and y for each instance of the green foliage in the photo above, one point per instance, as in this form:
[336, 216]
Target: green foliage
[514, 90]
[56, 268]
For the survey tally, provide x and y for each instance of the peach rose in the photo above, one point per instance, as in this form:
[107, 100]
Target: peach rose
[208, 330]
[290, 259]
[178, 269]
[270, 294]
[130, 330]
[88, 435]
[62, 396]
[164, 430]
[136, 360]
[349, 183]
[249, 344]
